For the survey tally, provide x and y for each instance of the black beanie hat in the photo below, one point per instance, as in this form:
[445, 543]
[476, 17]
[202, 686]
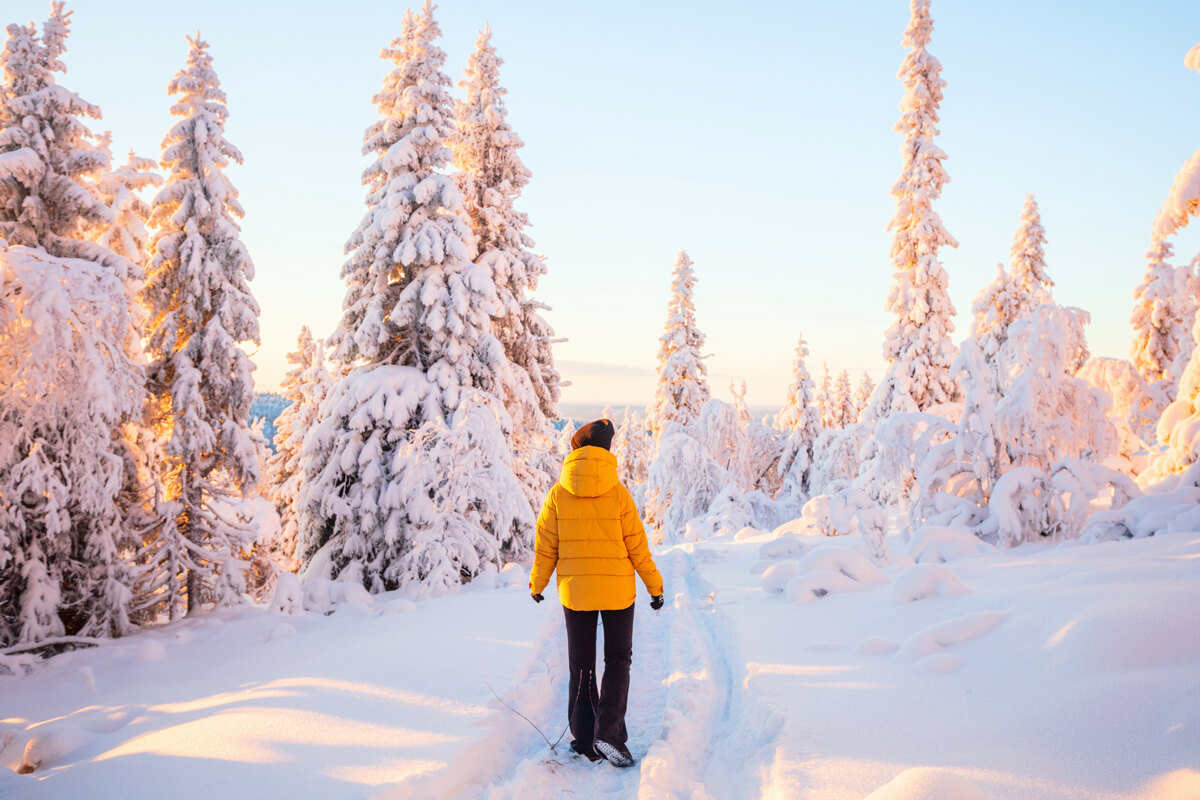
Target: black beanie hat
[595, 434]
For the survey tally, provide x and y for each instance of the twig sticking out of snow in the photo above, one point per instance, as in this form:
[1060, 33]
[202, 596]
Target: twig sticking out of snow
[553, 747]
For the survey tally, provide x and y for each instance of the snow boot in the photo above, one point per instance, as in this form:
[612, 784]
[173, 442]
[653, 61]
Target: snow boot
[617, 754]
[590, 754]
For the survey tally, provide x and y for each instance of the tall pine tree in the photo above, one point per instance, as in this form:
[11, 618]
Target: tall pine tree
[862, 395]
[491, 178]
[201, 310]
[1164, 310]
[70, 352]
[682, 386]
[1166, 300]
[1028, 254]
[1014, 294]
[800, 422]
[49, 159]
[305, 387]
[824, 400]
[422, 493]
[918, 347]
[845, 410]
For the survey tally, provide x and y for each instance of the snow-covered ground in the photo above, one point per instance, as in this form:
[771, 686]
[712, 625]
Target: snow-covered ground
[958, 672]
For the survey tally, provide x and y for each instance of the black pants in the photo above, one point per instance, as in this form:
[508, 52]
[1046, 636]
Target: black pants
[599, 712]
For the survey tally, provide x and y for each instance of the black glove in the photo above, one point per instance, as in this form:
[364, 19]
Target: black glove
[537, 598]
[656, 601]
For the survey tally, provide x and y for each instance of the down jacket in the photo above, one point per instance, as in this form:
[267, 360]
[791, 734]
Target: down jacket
[589, 531]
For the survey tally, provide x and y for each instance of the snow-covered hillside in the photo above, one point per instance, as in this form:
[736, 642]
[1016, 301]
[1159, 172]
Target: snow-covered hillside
[784, 666]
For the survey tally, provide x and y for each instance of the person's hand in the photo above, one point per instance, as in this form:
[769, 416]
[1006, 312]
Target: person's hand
[656, 601]
[537, 598]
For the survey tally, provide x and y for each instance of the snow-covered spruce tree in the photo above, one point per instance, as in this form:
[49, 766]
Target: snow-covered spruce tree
[562, 445]
[409, 480]
[1167, 299]
[49, 159]
[1179, 434]
[1030, 464]
[1135, 410]
[837, 458]
[1016, 293]
[683, 481]
[996, 307]
[1028, 265]
[1058, 437]
[824, 399]
[862, 395]
[68, 488]
[721, 486]
[800, 423]
[126, 234]
[491, 178]
[957, 477]
[201, 310]
[746, 450]
[843, 400]
[631, 446]
[917, 346]
[305, 387]
[73, 387]
[682, 389]
[1164, 309]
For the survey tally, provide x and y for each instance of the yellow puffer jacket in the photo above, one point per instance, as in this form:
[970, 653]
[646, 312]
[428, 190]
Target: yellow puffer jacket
[590, 532]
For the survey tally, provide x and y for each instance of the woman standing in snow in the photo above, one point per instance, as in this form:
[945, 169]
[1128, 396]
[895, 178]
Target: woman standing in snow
[590, 532]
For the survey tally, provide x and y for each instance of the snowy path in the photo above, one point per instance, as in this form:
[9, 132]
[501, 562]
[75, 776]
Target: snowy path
[684, 715]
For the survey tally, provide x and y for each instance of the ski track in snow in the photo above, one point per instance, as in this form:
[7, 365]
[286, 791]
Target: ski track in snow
[687, 716]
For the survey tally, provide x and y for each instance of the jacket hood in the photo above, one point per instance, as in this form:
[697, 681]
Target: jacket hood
[589, 472]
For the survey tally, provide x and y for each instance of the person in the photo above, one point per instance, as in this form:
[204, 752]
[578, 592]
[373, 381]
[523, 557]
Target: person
[589, 533]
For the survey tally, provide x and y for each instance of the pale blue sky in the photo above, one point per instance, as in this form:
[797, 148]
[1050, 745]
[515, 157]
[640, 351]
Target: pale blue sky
[759, 138]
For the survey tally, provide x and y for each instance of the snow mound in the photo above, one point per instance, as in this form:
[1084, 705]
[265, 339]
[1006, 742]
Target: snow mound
[926, 580]
[289, 597]
[927, 783]
[149, 651]
[760, 566]
[345, 593]
[830, 570]
[939, 544]
[848, 562]
[937, 637]
[747, 533]
[400, 606]
[876, 646]
[316, 594]
[513, 574]
[280, 631]
[50, 744]
[1124, 634]
[483, 581]
[942, 663]
[776, 577]
[813, 585]
[789, 544]
[320, 594]
[794, 526]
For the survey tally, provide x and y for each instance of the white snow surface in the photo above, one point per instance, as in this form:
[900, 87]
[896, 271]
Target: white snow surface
[1040, 671]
